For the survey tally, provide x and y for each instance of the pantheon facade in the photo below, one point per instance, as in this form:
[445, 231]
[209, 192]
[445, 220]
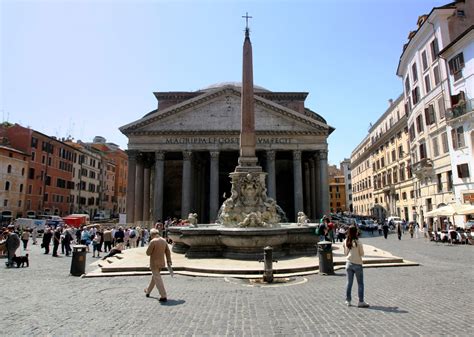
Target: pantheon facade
[180, 155]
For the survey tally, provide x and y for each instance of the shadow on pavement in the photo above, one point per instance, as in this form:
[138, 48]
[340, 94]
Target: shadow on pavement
[395, 310]
[173, 302]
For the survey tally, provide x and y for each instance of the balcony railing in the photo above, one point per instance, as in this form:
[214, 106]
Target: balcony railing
[422, 167]
[460, 109]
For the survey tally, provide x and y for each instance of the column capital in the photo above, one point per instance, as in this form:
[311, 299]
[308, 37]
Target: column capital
[214, 154]
[296, 155]
[159, 155]
[187, 155]
[323, 154]
[271, 154]
[132, 154]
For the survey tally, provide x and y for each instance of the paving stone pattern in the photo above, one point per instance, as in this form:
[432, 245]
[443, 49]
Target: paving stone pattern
[433, 299]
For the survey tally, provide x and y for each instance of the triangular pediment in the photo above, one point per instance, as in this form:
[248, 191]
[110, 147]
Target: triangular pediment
[218, 111]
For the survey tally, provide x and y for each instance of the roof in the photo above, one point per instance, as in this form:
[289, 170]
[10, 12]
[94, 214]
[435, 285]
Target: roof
[9, 148]
[456, 40]
[406, 45]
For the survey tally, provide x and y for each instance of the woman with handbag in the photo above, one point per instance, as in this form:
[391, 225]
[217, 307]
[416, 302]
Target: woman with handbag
[354, 250]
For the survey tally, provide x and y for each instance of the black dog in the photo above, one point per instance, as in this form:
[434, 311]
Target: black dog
[21, 260]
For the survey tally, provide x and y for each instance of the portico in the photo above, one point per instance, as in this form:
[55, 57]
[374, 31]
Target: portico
[181, 154]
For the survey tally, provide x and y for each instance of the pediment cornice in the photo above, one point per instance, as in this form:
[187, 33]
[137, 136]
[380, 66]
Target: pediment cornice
[309, 118]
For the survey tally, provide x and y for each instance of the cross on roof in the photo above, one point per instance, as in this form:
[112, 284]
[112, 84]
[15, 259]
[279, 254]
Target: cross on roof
[247, 17]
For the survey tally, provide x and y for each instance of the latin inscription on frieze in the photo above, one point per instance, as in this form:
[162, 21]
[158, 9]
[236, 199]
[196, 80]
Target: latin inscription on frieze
[224, 140]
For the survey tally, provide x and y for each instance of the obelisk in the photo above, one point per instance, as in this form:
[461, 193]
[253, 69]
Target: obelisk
[248, 205]
[248, 140]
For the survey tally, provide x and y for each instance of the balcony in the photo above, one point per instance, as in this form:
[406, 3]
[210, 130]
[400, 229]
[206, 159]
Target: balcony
[422, 168]
[461, 109]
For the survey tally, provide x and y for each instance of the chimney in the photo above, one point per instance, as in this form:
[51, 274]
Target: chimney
[390, 102]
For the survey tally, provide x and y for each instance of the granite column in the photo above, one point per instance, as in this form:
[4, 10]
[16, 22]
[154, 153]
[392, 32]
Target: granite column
[159, 185]
[298, 182]
[214, 186]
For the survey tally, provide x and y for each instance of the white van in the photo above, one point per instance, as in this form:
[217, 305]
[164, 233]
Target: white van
[23, 223]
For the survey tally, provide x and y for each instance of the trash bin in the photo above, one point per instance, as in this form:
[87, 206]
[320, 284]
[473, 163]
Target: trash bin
[326, 265]
[78, 262]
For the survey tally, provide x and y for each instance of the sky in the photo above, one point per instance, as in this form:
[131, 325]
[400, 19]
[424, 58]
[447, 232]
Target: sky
[85, 68]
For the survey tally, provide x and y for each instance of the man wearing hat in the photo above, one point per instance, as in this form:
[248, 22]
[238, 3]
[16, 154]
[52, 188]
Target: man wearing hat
[157, 250]
[11, 244]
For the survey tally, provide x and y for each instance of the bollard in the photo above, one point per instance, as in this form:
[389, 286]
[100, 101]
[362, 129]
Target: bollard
[326, 265]
[268, 264]
[78, 262]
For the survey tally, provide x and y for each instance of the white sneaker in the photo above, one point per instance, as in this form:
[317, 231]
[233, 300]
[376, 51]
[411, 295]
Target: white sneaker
[348, 303]
[363, 305]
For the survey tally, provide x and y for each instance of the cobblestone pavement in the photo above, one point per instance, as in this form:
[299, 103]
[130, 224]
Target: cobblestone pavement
[433, 299]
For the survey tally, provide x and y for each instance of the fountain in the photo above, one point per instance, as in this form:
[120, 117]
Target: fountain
[248, 220]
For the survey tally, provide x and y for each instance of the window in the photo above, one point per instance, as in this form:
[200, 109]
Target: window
[412, 194]
[382, 162]
[412, 132]
[419, 123]
[434, 49]
[45, 197]
[455, 66]
[34, 142]
[7, 186]
[5, 202]
[427, 83]
[414, 72]
[442, 111]
[415, 95]
[21, 188]
[463, 171]
[394, 156]
[457, 136]
[430, 115]
[407, 85]
[402, 172]
[424, 60]
[43, 159]
[449, 178]
[395, 176]
[30, 189]
[435, 146]
[22, 171]
[48, 180]
[439, 182]
[422, 149]
[436, 75]
[9, 169]
[444, 140]
[400, 151]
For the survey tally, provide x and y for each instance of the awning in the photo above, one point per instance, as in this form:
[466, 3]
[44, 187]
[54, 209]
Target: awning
[450, 210]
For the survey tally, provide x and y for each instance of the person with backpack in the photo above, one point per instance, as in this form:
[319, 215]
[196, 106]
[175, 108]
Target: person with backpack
[354, 250]
[132, 237]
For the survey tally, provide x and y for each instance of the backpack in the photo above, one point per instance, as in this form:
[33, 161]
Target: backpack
[132, 234]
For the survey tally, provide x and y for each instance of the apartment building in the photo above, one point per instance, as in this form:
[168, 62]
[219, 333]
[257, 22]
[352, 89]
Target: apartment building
[426, 97]
[87, 179]
[391, 166]
[119, 158]
[362, 188]
[346, 171]
[337, 190]
[459, 55]
[49, 178]
[13, 173]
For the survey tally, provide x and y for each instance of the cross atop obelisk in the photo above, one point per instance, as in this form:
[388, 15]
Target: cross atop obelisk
[247, 17]
[247, 158]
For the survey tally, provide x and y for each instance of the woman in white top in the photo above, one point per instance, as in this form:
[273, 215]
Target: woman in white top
[354, 250]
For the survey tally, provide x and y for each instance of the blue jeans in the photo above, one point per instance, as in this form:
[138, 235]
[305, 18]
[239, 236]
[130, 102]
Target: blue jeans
[351, 269]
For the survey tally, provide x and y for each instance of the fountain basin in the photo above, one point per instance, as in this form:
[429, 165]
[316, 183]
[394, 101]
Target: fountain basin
[212, 241]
